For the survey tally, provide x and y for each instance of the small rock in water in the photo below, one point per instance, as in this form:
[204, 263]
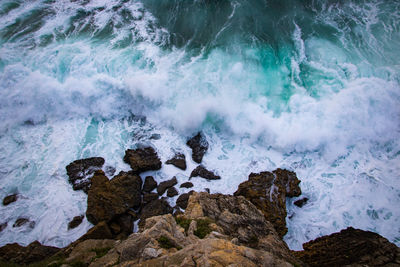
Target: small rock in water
[201, 171]
[149, 184]
[81, 171]
[199, 146]
[178, 161]
[142, 159]
[171, 192]
[301, 202]
[10, 199]
[163, 186]
[76, 221]
[187, 185]
[20, 221]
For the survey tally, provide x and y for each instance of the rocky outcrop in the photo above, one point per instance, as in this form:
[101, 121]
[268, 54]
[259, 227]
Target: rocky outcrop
[142, 159]
[268, 192]
[163, 186]
[350, 247]
[154, 208]
[110, 198]
[75, 222]
[199, 146]
[10, 199]
[80, 172]
[202, 172]
[25, 255]
[183, 199]
[149, 184]
[178, 161]
[148, 197]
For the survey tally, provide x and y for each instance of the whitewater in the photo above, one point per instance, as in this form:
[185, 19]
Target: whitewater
[312, 86]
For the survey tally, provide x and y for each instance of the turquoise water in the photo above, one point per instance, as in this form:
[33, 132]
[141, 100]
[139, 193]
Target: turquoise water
[312, 86]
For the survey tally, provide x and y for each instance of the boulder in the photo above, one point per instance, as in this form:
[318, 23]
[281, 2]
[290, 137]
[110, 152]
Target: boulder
[301, 202]
[110, 198]
[268, 192]
[199, 146]
[183, 199]
[34, 252]
[154, 208]
[99, 231]
[142, 159]
[186, 185]
[10, 199]
[202, 172]
[149, 184]
[148, 197]
[171, 192]
[350, 247]
[75, 222]
[178, 161]
[80, 172]
[163, 186]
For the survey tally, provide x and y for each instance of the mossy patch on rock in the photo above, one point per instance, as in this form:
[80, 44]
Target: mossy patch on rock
[203, 228]
[183, 222]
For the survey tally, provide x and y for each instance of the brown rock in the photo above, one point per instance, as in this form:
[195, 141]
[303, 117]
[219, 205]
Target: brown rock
[142, 159]
[301, 202]
[183, 199]
[75, 222]
[99, 231]
[80, 172]
[149, 197]
[171, 192]
[178, 161]
[186, 185]
[34, 252]
[201, 171]
[85, 251]
[110, 198]
[163, 186]
[154, 208]
[199, 146]
[149, 184]
[10, 199]
[350, 247]
[268, 192]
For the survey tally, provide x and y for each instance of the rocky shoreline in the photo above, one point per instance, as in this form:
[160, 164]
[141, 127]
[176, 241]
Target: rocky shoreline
[243, 229]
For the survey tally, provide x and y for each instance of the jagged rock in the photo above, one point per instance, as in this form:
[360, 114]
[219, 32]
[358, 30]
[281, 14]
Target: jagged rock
[171, 192]
[183, 199]
[149, 197]
[20, 222]
[186, 185]
[86, 251]
[350, 247]
[75, 222]
[301, 202]
[268, 192]
[163, 186]
[109, 171]
[178, 161]
[149, 184]
[3, 226]
[80, 172]
[142, 159]
[99, 231]
[199, 146]
[201, 171]
[34, 252]
[10, 199]
[124, 223]
[110, 198]
[154, 208]
[240, 219]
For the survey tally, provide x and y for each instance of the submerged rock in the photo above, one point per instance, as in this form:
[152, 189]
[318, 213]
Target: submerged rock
[3, 226]
[163, 186]
[178, 161]
[142, 159]
[148, 197]
[202, 172]
[199, 146]
[25, 255]
[75, 222]
[10, 199]
[109, 198]
[21, 221]
[149, 184]
[350, 247]
[80, 172]
[268, 192]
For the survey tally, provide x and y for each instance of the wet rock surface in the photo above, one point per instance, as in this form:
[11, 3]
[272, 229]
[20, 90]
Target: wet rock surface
[268, 192]
[22, 221]
[202, 172]
[183, 199]
[80, 172]
[171, 192]
[199, 146]
[10, 199]
[148, 197]
[142, 159]
[25, 255]
[163, 186]
[186, 185]
[149, 184]
[75, 222]
[178, 161]
[351, 247]
[301, 202]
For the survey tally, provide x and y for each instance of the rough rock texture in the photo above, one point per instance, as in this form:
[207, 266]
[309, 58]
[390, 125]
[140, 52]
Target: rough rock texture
[171, 192]
[178, 161]
[163, 186]
[99, 231]
[199, 146]
[350, 247]
[149, 197]
[149, 184]
[75, 222]
[80, 172]
[183, 199]
[301, 202]
[201, 171]
[22, 221]
[10, 199]
[24, 255]
[85, 252]
[154, 208]
[142, 159]
[268, 192]
[110, 198]
[186, 185]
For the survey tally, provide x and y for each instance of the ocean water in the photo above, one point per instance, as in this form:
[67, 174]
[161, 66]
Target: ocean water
[308, 85]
